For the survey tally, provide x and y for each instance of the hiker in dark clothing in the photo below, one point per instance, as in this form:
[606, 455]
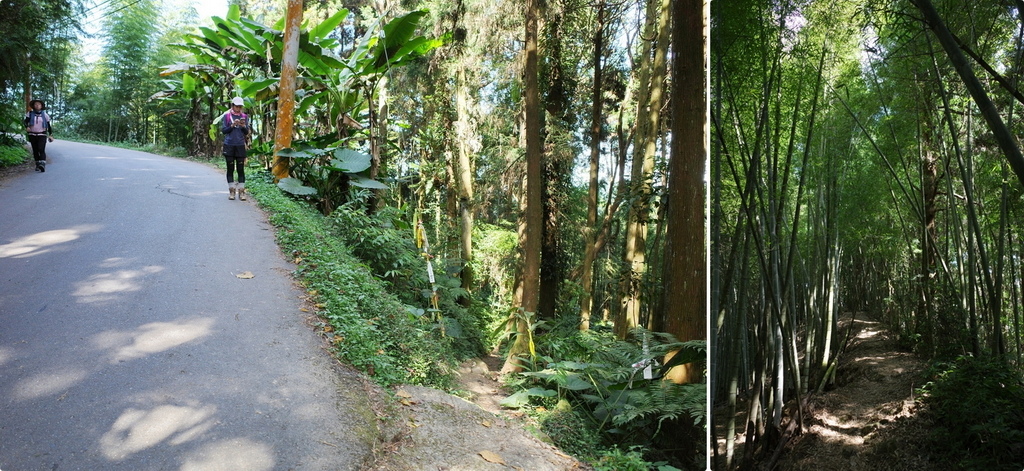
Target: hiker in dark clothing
[235, 126]
[37, 123]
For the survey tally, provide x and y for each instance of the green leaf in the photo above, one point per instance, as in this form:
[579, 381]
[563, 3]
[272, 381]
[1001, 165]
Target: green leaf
[571, 365]
[254, 88]
[516, 401]
[188, 83]
[351, 161]
[294, 153]
[574, 382]
[542, 392]
[295, 187]
[366, 182]
[325, 27]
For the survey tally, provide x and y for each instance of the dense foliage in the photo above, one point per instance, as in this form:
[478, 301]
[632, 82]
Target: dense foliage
[976, 405]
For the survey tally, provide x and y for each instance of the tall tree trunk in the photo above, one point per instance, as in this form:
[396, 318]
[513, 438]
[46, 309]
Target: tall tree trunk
[534, 213]
[651, 83]
[464, 175]
[685, 255]
[286, 99]
[596, 118]
[929, 234]
[556, 166]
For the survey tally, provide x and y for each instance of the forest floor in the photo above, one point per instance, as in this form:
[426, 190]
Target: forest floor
[870, 420]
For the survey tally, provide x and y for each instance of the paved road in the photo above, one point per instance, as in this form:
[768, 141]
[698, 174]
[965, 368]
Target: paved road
[128, 343]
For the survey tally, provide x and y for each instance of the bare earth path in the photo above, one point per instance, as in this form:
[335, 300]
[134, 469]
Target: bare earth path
[868, 422]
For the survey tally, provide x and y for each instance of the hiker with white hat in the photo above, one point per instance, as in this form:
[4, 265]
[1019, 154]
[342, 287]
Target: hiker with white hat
[235, 126]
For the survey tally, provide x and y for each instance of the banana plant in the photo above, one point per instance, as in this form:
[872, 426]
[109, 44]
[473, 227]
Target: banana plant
[333, 93]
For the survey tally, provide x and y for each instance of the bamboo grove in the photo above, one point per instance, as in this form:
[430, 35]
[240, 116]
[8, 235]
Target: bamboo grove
[864, 164]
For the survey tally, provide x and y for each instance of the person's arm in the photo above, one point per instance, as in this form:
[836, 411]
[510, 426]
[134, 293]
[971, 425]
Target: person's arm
[49, 128]
[225, 126]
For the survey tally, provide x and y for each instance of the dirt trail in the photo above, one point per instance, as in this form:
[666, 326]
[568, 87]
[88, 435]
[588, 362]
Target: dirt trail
[432, 430]
[870, 420]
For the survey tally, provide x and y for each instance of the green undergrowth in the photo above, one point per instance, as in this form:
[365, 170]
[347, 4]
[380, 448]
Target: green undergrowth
[369, 327]
[591, 397]
[979, 419]
[11, 155]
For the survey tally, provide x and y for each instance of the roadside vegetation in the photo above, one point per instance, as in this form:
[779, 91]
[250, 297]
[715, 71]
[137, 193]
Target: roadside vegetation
[367, 282]
[13, 145]
[975, 405]
[12, 154]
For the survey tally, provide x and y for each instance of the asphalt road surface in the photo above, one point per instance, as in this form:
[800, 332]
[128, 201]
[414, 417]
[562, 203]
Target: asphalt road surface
[128, 341]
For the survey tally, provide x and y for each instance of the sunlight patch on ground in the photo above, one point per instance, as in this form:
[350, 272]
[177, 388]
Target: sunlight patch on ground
[240, 453]
[43, 242]
[867, 334]
[113, 262]
[5, 355]
[871, 360]
[151, 338]
[105, 286]
[137, 430]
[45, 384]
[839, 430]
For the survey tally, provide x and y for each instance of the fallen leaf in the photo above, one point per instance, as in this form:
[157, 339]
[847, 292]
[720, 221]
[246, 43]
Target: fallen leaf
[486, 423]
[245, 275]
[403, 393]
[491, 457]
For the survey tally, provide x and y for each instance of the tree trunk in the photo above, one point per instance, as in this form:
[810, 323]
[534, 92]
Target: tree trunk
[464, 176]
[286, 93]
[651, 82]
[590, 231]
[556, 166]
[534, 214]
[685, 255]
